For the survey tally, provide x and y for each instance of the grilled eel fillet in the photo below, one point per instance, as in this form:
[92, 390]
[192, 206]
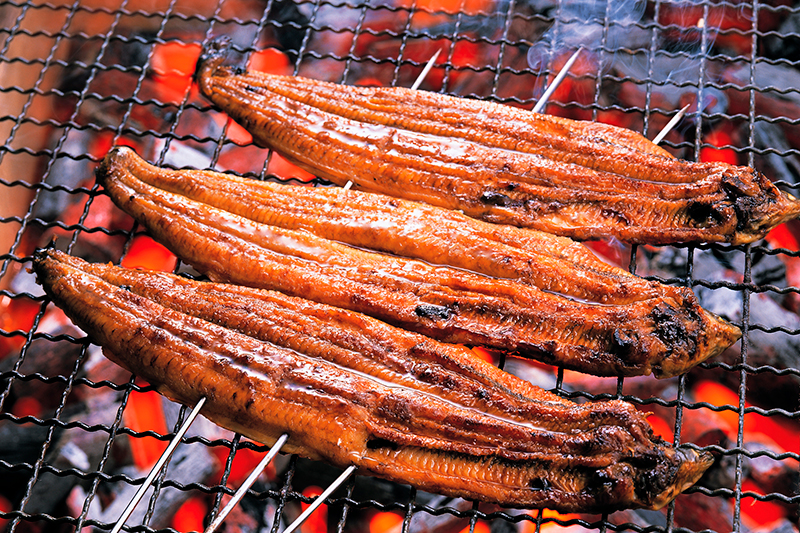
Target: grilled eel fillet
[497, 163]
[349, 389]
[250, 233]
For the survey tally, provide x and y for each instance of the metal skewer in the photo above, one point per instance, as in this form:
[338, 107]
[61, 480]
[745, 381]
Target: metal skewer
[556, 82]
[320, 499]
[158, 466]
[671, 124]
[426, 70]
[239, 494]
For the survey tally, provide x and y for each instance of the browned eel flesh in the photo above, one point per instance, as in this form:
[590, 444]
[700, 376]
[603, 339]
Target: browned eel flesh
[495, 162]
[250, 233]
[352, 390]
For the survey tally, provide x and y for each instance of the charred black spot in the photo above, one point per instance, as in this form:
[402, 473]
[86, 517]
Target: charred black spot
[653, 476]
[538, 483]
[376, 443]
[425, 374]
[645, 461]
[704, 214]
[251, 89]
[733, 186]
[481, 394]
[249, 403]
[434, 312]
[495, 198]
[125, 288]
[744, 204]
[512, 186]
[603, 485]
[615, 215]
[624, 346]
[669, 325]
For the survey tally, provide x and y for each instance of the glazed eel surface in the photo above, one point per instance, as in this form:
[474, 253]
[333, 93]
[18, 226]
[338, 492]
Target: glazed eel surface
[352, 390]
[497, 163]
[315, 243]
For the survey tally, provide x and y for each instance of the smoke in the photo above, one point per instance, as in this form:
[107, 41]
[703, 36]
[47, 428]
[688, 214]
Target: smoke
[671, 52]
[600, 26]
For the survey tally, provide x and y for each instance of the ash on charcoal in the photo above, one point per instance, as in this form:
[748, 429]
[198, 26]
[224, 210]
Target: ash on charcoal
[780, 79]
[189, 464]
[771, 343]
[765, 269]
[785, 42]
[776, 154]
[309, 472]
[288, 21]
[68, 171]
[41, 354]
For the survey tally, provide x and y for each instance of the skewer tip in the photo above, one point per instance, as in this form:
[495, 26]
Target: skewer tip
[556, 81]
[671, 124]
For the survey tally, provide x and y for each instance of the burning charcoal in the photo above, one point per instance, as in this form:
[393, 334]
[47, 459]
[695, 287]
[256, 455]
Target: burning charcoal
[765, 269]
[239, 520]
[715, 514]
[269, 519]
[776, 349]
[67, 172]
[308, 473]
[776, 92]
[501, 526]
[643, 518]
[189, 464]
[42, 355]
[782, 526]
[74, 448]
[722, 473]
[289, 19]
[424, 522]
[785, 42]
[50, 490]
[772, 476]
[785, 165]
[20, 442]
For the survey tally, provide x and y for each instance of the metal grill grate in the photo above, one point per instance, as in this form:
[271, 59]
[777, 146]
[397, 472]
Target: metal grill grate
[79, 77]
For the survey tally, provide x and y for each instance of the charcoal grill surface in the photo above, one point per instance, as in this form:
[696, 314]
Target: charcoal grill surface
[80, 77]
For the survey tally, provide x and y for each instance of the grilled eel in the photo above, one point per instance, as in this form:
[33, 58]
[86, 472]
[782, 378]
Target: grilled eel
[226, 228]
[352, 390]
[498, 163]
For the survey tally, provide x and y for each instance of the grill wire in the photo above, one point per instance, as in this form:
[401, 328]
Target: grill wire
[83, 70]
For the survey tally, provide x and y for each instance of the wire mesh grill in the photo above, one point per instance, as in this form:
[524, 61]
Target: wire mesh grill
[80, 77]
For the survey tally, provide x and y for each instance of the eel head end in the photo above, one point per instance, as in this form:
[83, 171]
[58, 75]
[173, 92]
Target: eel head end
[758, 212]
[210, 62]
[715, 335]
[692, 466]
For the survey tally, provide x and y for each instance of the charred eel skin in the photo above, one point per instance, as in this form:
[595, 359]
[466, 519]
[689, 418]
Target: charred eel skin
[349, 389]
[242, 239]
[498, 163]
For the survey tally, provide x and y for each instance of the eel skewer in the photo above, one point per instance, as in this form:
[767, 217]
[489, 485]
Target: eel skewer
[351, 390]
[498, 163]
[664, 332]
